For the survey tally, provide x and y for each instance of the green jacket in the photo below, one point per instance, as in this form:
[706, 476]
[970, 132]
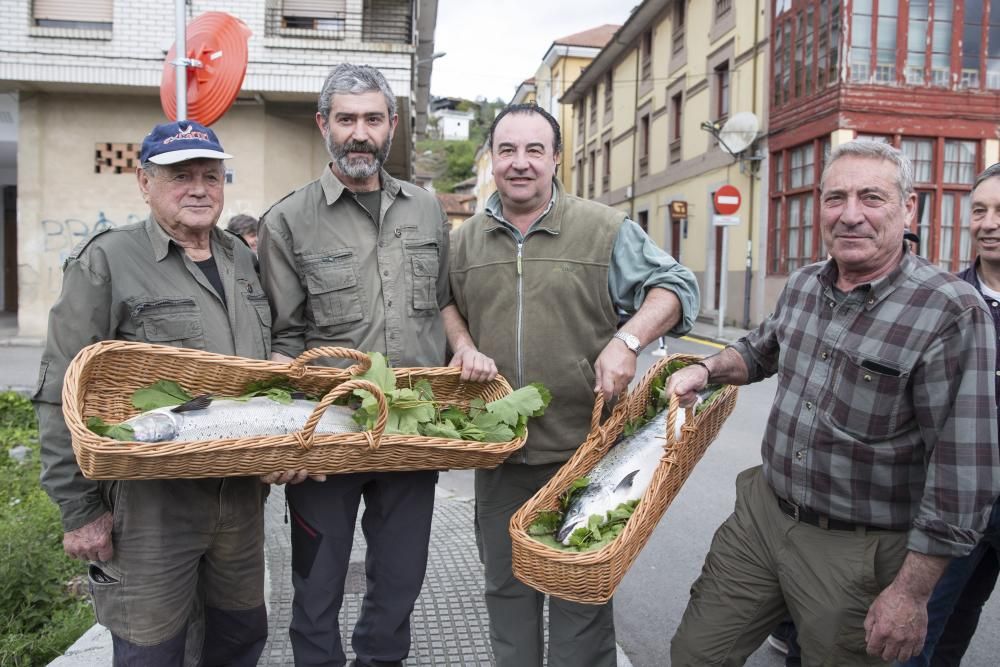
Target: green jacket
[338, 277]
[542, 310]
[135, 283]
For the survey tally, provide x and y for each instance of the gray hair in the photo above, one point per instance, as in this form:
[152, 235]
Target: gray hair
[242, 223]
[875, 150]
[348, 79]
[992, 171]
[149, 167]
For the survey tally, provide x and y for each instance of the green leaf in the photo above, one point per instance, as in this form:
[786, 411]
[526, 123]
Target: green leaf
[576, 488]
[441, 429]
[114, 431]
[546, 523]
[380, 374]
[160, 395]
[528, 401]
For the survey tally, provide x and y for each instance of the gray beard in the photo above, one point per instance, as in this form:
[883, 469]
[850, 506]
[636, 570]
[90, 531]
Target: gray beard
[358, 168]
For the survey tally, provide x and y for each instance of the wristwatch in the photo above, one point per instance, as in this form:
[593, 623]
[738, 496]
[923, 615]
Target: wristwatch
[631, 342]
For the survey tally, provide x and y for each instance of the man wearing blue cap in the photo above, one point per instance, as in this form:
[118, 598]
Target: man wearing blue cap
[155, 546]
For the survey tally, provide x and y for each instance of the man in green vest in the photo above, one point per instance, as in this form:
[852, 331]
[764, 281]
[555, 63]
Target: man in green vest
[539, 276]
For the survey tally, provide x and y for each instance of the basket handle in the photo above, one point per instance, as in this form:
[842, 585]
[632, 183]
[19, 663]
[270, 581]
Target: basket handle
[595, 416]
[298, 364]
[675, 405]
[306, 436]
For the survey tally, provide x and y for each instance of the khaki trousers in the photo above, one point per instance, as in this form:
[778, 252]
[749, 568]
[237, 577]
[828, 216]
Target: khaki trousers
[579, 634]
[763, 563]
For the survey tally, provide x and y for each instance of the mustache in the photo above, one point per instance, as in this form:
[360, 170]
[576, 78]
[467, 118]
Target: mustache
[359, 147]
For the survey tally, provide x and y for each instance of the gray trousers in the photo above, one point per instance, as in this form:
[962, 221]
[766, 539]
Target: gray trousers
[763, 565]
[579, 634]
[396, 523]
[180, 544]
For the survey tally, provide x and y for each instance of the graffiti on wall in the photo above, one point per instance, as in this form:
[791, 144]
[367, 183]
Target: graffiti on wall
[61, 236]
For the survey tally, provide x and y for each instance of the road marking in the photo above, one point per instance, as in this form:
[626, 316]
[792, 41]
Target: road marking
[703, 341]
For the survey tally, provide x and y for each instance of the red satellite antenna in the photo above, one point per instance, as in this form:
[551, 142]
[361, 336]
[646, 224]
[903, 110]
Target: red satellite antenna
[202, 83]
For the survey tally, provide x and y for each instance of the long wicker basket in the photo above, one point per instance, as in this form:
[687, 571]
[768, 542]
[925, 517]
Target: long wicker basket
[101, 379]
[592, 577]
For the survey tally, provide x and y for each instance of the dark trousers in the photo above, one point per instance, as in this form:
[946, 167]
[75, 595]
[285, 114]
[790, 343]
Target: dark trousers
[396, 523]
[954, 608]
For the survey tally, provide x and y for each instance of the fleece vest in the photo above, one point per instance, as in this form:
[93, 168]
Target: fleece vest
[542, 310]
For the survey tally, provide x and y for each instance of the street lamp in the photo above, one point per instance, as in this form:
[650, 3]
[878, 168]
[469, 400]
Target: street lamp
[432, 57]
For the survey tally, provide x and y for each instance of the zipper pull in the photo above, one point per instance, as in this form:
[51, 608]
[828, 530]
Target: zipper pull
[519, 266]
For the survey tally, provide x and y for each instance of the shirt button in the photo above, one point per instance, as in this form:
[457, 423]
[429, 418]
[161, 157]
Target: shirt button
[824, 355]
[809, 406]
[832, 304]
[871, 301]
[388, 304]
[998, 373]
[381, 244]
[995, 304]
[798, 455]
[385, 273]
[868, 378]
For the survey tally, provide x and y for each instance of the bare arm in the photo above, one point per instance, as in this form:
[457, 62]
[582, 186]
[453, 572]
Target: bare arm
[615, 366]
[726, 367]
[896, 625]
[475, 365]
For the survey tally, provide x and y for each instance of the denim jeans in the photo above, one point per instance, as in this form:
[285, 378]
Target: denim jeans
[958, 599]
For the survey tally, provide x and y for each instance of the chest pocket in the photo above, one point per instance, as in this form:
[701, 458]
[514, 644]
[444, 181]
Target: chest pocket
[871, 398]
[424, 265]
[170, 321]
[334, 292]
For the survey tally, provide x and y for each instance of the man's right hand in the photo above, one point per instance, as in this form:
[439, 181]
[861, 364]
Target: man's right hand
[92, 541]
[475, 365]
[686, 383]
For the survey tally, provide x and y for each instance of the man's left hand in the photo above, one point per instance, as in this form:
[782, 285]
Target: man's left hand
[896, 625]
[475, 365]
[291, 477]
[615, 368]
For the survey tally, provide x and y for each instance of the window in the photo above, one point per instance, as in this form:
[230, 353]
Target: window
[581, 119]
[609, 87]
[993, 47]
[78, 14]
[314, 15]
[885, 42]
[723, 7]
[680, 16]
[722, 91]
[794, 239]
[579, 177]
[592, 173]
[971, 44]
[959, 161]
[921, 154]
[916, 43]
[593, 106]
[647, 55]
[606, 167]
[861, 41]
[643, 220]
[941, 43]
[676, 126]
[800, 171]
[644, 145]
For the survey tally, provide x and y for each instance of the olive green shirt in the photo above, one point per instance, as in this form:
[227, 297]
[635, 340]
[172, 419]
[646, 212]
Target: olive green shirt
[338, 277]
[135, 283]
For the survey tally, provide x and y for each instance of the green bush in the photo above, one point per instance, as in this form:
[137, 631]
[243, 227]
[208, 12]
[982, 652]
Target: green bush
[38, 616]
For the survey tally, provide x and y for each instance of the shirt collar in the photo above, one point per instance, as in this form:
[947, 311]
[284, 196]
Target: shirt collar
[494, 209]
[333, 188]
[880, 288]
[161, 241]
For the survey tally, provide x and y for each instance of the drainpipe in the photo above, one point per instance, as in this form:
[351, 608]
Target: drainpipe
[635, 134]
[748, 277]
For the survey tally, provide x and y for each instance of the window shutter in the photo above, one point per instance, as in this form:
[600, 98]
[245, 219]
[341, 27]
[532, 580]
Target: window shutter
[90, 11]
[318, 9]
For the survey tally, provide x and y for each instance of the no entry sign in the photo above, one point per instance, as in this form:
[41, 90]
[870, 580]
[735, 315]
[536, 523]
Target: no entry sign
[727, 200]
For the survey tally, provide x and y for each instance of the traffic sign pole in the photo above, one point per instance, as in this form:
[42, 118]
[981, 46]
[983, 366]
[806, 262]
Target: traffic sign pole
[723, 279]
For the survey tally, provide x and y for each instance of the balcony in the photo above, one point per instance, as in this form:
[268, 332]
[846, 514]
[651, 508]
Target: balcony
[386, 21]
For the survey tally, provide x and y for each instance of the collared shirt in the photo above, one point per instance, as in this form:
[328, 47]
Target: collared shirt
[637, 265]
[338, 277]
[135, 283]
[885, 408]
[971, 276]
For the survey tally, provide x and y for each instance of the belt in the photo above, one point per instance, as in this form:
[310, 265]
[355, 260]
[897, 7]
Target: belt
[797, 513]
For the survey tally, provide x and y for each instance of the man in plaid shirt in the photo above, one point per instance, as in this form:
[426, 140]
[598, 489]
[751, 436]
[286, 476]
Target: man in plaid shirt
[880, 458]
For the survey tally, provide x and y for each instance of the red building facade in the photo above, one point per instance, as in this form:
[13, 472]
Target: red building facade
[923, 75]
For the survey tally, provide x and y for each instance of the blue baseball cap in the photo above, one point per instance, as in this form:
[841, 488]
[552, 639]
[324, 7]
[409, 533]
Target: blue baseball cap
[171, 143]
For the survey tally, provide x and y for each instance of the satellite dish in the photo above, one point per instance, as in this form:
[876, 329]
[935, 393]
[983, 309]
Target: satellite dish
[739, 132]
[218, 42]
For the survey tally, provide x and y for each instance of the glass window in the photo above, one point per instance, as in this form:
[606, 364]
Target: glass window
[800, 36]
[822, 43]
[778, 65]
[861, 41]
[993, 47]
[925, 215]
[779, 171]
[916, 39]
[945, 239]
[807, 54]
[921, 154]
[941, 43]
[885, 56]
[833, 65]
[959, 162]
[786, 66]
[972, 43]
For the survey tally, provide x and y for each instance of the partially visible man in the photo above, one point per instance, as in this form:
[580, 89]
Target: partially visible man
[539, 275]
[246, 227]
[880, 453]
[968, 582]
[155, 546]
[357, 259]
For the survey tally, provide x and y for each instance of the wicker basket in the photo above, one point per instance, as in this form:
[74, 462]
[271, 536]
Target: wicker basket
[102, 378]
[592, 577]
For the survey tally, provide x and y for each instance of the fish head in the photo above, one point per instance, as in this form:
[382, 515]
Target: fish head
[155, 426]
[572, 521]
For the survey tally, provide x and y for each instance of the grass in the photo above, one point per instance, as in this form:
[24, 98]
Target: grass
[39, 618]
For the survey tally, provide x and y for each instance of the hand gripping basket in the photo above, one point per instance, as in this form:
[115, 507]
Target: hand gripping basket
[591, 577]
[101, 379]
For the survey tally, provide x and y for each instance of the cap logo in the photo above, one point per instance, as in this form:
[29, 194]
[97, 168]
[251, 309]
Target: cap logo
[187, 134]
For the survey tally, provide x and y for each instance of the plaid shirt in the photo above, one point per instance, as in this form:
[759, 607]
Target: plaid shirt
[885, 413]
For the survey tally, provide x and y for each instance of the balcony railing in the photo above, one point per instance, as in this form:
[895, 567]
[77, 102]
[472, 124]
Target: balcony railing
[378, 21]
